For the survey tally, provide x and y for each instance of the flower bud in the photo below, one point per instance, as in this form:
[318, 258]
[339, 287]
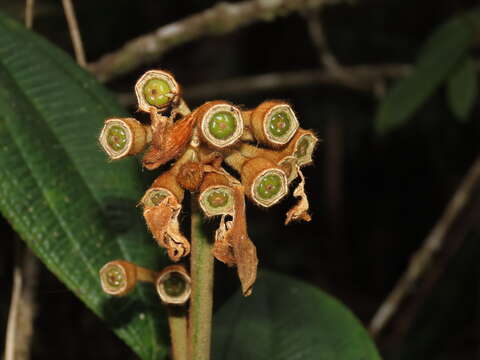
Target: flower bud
[156, 89]
[173, 285]
[121, 137]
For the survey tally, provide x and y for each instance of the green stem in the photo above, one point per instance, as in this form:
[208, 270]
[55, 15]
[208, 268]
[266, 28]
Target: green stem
[201, 301]
[177, 321]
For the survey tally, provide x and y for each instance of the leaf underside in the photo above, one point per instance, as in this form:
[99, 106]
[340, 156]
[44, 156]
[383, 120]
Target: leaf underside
[286, 319]
[75, 210]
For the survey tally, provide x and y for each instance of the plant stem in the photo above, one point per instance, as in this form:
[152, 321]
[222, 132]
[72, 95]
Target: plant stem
[177, 320]
[201, 301]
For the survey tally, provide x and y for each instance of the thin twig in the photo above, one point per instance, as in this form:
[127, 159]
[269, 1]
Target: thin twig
[422, 259]
[22, 306]
[286, 80]
[12, 323]
[326, 57]
[74, 32]
[220, 19]
[29, 8]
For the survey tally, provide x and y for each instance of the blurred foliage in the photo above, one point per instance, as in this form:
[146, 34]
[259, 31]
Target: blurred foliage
[390, 189]
[463, 88]
[446, 48]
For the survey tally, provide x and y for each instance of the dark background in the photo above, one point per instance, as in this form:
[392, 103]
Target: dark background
[374, 199]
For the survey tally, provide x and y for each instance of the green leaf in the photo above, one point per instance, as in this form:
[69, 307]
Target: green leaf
[439, 56]
[288, 319]
[462, 88]
[73, 208]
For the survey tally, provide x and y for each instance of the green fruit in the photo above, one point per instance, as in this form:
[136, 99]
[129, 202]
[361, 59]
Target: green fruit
[280, 124]
[174, 285]
[269, 186]
[113, 277]
[117, 137]
[217, 199]
[222, 125]
[156, 92]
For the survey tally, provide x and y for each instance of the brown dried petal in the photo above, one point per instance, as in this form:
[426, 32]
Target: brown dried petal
[300, 210]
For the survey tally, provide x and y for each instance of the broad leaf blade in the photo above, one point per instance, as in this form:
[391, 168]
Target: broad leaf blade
[73, 208]
[440, 54]
[288, 319]
[462, 88]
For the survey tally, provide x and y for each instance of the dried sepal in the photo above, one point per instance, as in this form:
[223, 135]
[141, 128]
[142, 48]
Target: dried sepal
[300, 210]
[216, 195]
[161, 208]
[118, 277]
[220, 124]
[302, 147]
[121, 137]
[273, 123]
[265, 183]
[289, 166]
[173, 285]
[156, 89]
[233, 245]
[169, 142]
[222, 248]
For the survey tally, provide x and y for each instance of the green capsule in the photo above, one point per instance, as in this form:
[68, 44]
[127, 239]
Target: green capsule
[269, 186]
[117, 137]
[113, 277]
[174, 285]
[222, 125]
[157, 92]
[217, 199]
[279, 124]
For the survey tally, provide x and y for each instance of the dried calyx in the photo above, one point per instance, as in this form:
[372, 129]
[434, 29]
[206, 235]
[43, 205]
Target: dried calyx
[272, 123]
[121, 137]
[265, 183]
[220, 123]
[173, 285]
[119, 277]
[265, 145]
[156, 89]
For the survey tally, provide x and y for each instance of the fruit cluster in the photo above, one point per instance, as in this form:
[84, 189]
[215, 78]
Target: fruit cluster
[265, 146]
